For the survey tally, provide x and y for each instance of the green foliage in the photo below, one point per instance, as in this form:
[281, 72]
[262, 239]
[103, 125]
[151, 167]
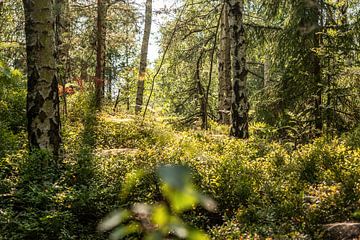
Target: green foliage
[263, 188]
[353, 138]
[12, 109]
[160, 220]
[12, 98]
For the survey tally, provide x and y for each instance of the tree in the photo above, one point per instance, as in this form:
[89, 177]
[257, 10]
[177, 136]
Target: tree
[143, 57]
[239, 103]
[62, 45]
[224, 71]
[100, 51]
[42, 98]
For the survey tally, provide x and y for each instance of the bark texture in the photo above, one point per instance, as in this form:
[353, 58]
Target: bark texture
[42, 98]
[239, 102]
[100, 51]
[143, 57]
[224, 62]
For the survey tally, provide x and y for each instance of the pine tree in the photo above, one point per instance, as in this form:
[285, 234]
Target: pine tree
[224, 69]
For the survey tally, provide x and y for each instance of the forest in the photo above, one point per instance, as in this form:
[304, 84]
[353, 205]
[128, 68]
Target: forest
[179, 119]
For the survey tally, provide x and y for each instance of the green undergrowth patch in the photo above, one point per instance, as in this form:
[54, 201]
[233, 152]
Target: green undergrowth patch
[263, 188]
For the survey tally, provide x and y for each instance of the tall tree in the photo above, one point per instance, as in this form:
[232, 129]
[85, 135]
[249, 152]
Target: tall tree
[100, 51]
[239, 103]
[62, 49]
[143, 57]
[42, 98]
[224, 71]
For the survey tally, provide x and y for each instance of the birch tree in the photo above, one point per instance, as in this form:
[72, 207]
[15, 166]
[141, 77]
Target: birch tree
[42, 98]
[239, 103]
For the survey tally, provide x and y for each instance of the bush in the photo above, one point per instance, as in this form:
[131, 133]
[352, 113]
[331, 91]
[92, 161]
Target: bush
[12, 99]
[263, 188]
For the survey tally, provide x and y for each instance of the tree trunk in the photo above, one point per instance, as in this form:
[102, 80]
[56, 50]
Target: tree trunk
[109, 82]
[267, 71]
[201, 94]
[239, 103]
[316, 66]
[143, 57]
[43, 97]
[224, 62]
[100, 51]
[62, 26]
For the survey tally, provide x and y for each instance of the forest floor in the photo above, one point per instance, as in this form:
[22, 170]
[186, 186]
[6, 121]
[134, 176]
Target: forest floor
[264, 188]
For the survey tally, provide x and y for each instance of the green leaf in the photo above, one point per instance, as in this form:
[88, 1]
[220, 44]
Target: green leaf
[160, 216]
[197, 235]
[131, 179]
[123, 231]
[175, 176]
[114, 220]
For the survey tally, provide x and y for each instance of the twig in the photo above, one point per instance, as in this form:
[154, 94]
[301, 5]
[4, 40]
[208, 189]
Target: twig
[212, 65]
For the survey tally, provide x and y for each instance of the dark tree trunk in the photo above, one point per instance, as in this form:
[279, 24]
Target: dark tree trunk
[315, 14]
[100, 51]
[42, 98]
[109, 82]
[224, 62]
[62, 26]
[201, 94]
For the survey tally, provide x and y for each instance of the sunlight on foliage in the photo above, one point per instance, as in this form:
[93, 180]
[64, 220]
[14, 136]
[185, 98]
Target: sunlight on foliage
[157, 221]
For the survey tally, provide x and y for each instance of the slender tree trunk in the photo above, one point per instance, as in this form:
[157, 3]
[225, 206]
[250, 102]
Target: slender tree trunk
[318, 94]
[117, 101]
[239, 103]
[224, 63]
[143, 57]
[42, 98]
[201, 94]
[127, 76]
[316, 66]
[84, 71]
[100, 51]
[267, 73]
[109, 82]
[62, 26]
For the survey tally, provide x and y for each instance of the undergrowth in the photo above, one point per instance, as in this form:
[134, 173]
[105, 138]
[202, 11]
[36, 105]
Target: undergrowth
[264, 188]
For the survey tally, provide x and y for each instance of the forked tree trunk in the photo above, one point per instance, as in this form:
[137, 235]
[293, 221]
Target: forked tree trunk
[239, 103]
[100, 51]
[143, 57]
[224, 62]
[42, 98]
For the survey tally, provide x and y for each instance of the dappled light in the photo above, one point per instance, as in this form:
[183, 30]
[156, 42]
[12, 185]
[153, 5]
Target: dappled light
[179, 119]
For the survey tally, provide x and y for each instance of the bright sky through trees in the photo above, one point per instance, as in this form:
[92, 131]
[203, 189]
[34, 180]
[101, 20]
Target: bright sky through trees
[158, 20]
